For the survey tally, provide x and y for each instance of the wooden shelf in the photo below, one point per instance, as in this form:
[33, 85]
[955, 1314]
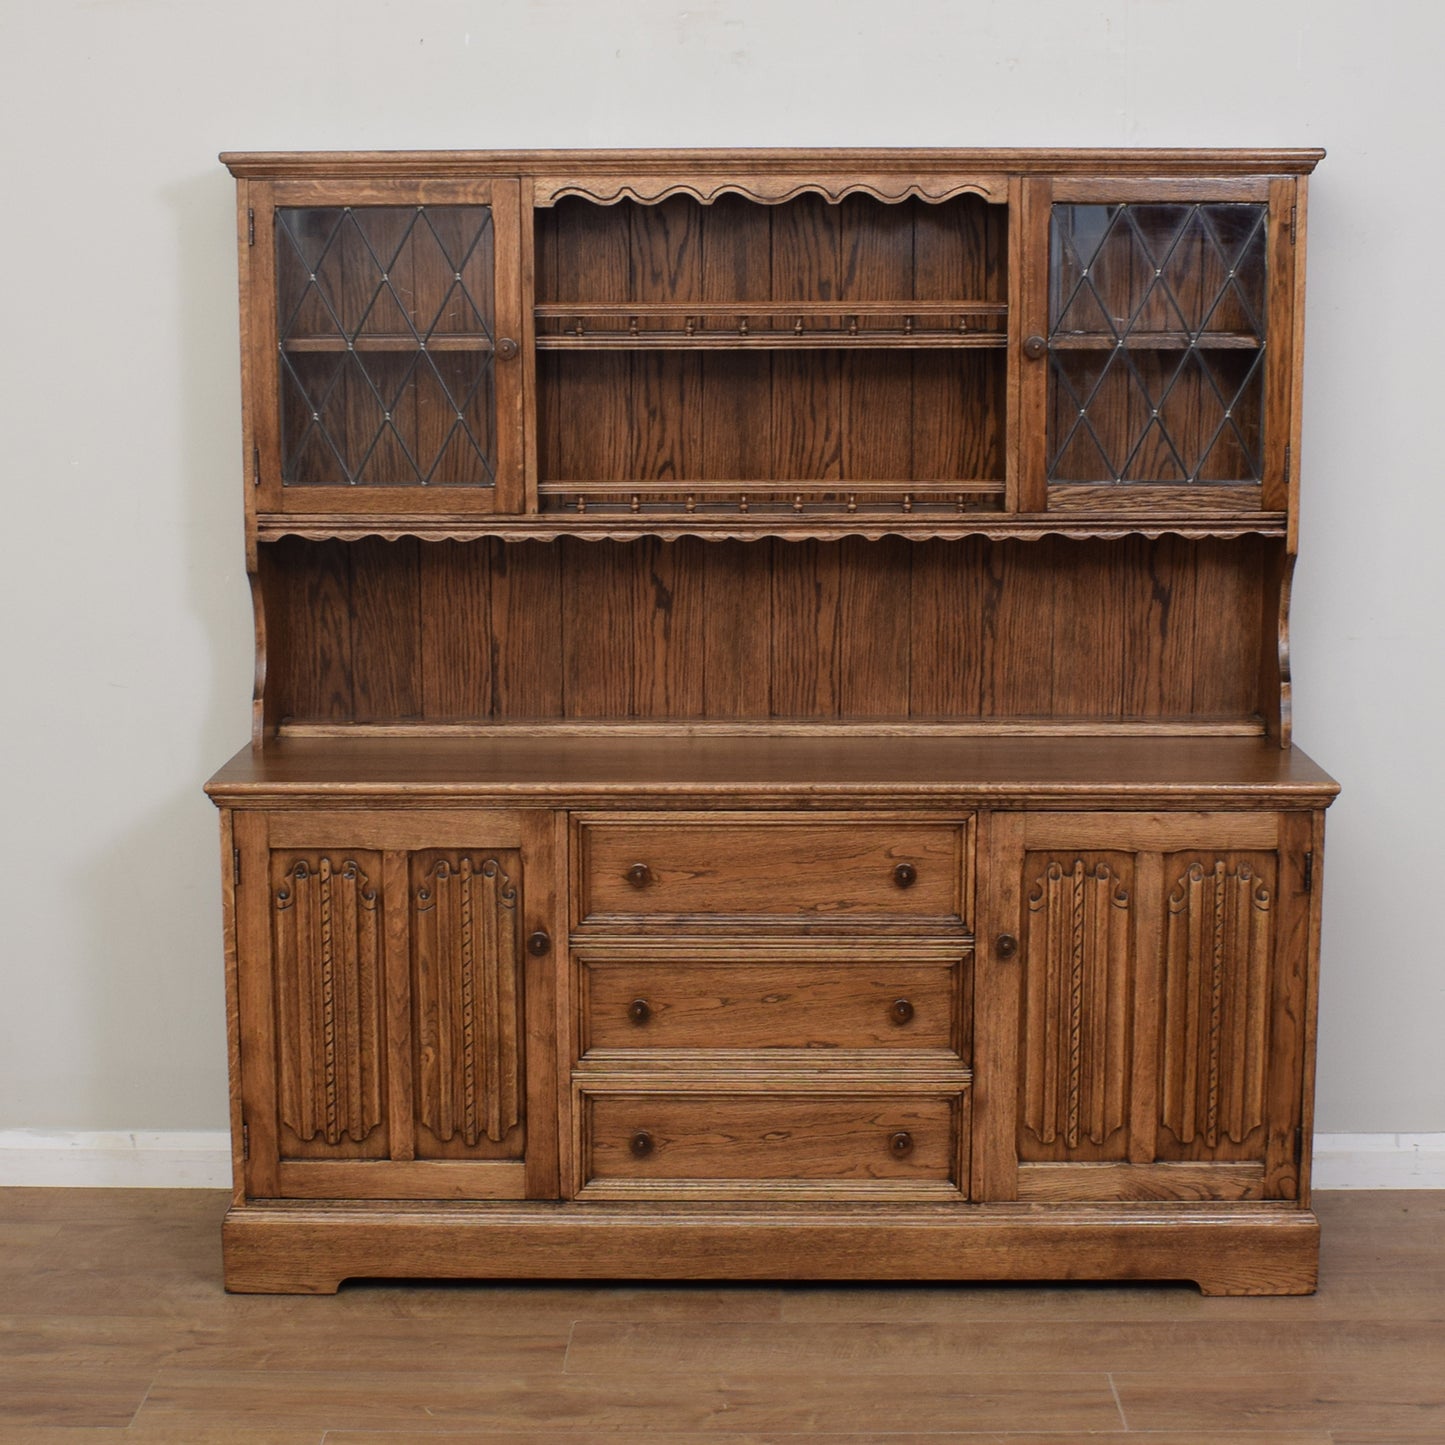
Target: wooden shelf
[773, 341]
[708, 325]
[996, 525]
[784, 490]
[1155, 341]
[785, 310]
[386, 343]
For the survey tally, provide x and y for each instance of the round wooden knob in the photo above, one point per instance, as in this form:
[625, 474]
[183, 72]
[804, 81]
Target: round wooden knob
[639, 875]
[506, 349]
[639, 1010]
[1005, 945]
[900, 1011]
[1035, 347]
[539, 944]
[641, 1144]
[900, 1145]
[905, 875]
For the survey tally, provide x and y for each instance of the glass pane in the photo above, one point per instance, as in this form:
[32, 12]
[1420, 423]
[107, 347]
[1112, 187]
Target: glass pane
[386, 318]
[1156, 343]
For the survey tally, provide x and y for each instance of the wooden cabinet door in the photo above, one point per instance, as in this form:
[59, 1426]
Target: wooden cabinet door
[396, 995]
[1158, 345]
[382, 346]
[1142, 988]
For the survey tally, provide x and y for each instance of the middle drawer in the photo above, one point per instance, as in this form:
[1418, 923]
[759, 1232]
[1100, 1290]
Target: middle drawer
[637, 996]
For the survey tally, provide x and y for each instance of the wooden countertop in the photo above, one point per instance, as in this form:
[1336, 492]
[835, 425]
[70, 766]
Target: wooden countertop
[730, 770]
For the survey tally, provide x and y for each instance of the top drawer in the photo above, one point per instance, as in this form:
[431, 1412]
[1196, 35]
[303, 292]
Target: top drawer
[799, 873]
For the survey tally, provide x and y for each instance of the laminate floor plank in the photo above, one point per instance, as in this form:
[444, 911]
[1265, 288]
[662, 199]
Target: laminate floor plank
[793, 1437]
[1401, 1402]
[1403, 1295]
[75, 1395]
[115, 1330]
[662, 1408]
[141, 1435]
[905, 1352]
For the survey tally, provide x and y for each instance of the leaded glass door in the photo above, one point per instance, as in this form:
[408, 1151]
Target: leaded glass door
[387, 345]
[1153, 368]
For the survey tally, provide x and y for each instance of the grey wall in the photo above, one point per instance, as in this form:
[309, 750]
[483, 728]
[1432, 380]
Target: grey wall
[127, 628]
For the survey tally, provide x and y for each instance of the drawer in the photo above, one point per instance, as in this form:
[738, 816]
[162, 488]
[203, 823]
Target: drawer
[798, 872]
[754, 996]
[713, 1143]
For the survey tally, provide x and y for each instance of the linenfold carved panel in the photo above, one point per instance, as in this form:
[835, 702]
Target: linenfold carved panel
[326, 930]
[1216, 997]
[1077, 998]
[467, 994]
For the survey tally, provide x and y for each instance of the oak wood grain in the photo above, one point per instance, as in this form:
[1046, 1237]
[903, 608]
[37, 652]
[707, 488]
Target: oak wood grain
[639, 770]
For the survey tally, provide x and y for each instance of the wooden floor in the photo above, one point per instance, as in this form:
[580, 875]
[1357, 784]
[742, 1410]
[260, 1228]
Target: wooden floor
[114, 1328]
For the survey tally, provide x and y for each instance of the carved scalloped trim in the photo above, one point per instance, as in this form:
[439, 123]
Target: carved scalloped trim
[770, 190]
[823, 532]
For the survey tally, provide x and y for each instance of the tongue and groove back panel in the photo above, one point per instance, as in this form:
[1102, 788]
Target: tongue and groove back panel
[485, 631]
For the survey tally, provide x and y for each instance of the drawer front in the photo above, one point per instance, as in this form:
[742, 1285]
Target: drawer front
[802, 872]
[769, 1000]
[720, 1144]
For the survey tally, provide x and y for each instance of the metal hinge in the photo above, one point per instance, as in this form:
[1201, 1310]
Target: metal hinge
[1293, 221]
[236, 867]
[245, 1143]
[1288, 461]
[250, 226]
[255, 466]
[1309, 872]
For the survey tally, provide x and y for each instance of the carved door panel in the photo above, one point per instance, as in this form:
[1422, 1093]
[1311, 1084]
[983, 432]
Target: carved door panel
[1155, 369]
[1142, 998]
[392, 969]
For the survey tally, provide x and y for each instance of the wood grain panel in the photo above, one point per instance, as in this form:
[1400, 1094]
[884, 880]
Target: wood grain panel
[883, 630]
[707, 1001]
[1020, 646]
[1214, 1031]
[310, 666]
[943, 667]
[326, 931]
[385, 591]
[805, 605]
[599, 665]
[528, 630]
[1078, 955]
[783, 1137]
[668, 618]
[457, 628]
[737, 629]
[874, 653]
[788, 871]
[466, 988]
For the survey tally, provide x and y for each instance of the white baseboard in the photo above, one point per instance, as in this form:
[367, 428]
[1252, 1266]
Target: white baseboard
[115, 1159]
[136, 1160]
[1379, 1161]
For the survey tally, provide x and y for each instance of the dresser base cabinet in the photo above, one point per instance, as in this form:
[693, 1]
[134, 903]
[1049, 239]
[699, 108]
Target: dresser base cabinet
[915, 1026]
[771, 751]
[276, 1247]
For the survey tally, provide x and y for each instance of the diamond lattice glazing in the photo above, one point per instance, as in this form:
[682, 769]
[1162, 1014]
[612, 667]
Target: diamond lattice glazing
[386, 330]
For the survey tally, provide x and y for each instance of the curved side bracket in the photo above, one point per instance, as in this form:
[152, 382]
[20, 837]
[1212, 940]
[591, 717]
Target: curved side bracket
[260, 731]
[1275, 692]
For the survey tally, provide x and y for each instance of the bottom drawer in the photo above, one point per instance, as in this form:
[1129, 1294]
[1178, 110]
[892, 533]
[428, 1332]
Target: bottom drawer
[713, 1144]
